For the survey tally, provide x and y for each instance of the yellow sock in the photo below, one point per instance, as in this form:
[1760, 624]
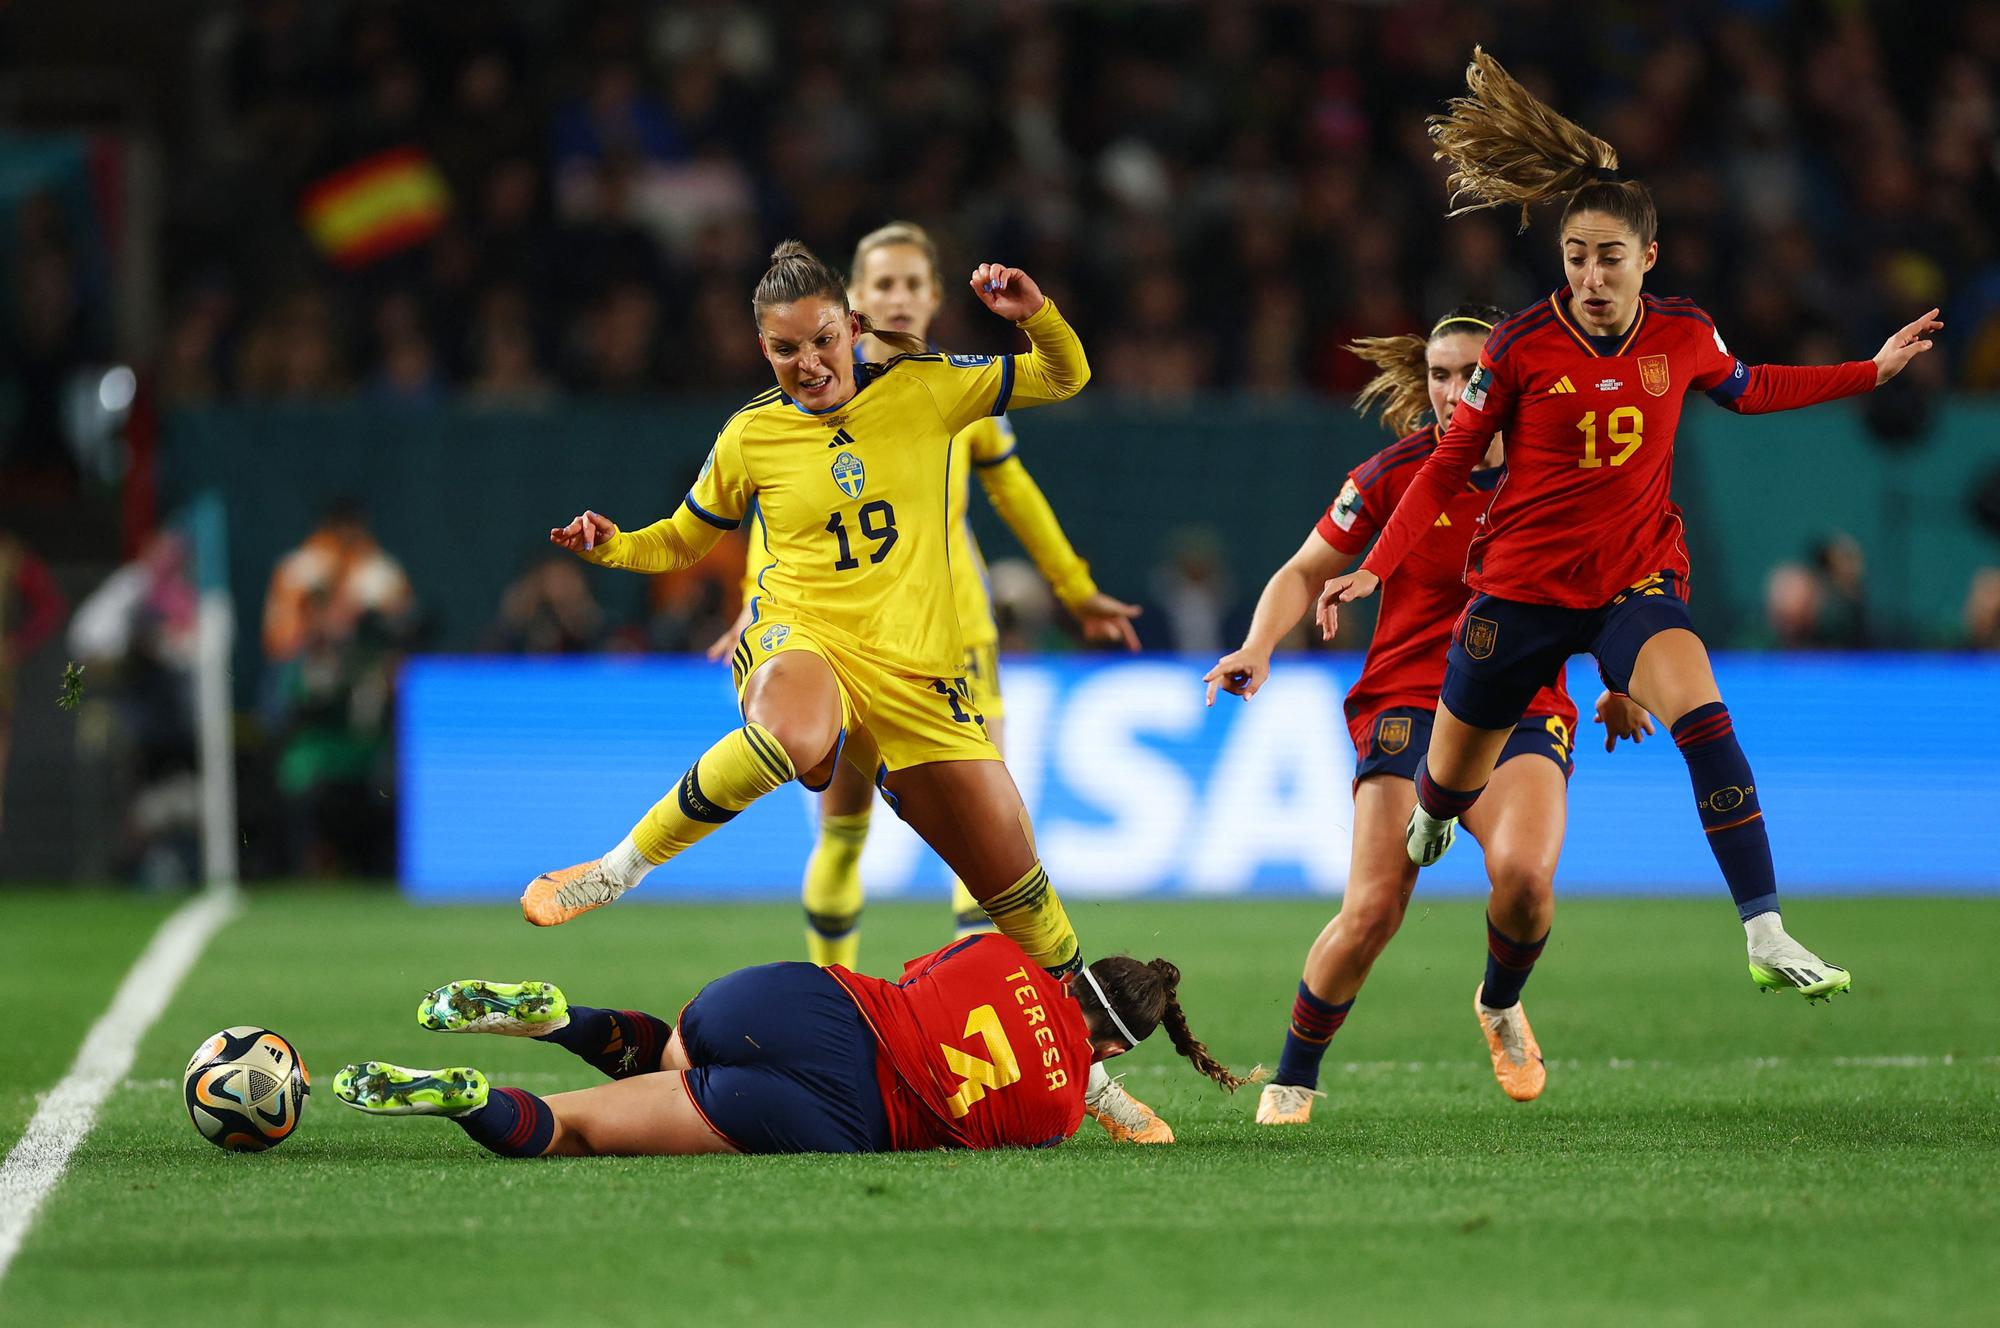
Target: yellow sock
[967, 917]
[743, 767]
[833, 891]
[1029, 914]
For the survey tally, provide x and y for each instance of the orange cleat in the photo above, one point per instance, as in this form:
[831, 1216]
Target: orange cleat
[1517, 1058]
[553, 898]
[1286, 1104]
[1124, 1117]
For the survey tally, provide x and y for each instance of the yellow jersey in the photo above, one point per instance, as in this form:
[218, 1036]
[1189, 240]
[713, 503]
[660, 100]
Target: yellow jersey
[854, 504]
[984, 448]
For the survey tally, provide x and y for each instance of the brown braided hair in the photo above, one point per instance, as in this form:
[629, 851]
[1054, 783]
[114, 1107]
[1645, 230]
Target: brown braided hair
[1400, 383]
[796, 273]
[1505, 147]
[1147, 997]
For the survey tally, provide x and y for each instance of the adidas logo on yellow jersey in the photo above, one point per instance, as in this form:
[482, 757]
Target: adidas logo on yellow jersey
[1563, 385]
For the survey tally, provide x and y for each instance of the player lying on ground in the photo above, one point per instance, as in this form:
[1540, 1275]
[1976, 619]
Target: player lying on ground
[1519, 822]
[976, 1047]
[854, 651]
[1583, 549]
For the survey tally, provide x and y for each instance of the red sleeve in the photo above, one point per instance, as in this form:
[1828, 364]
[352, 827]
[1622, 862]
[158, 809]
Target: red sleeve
[44, 603]
[1760, 389]
[1349, 523]
[1487, 404]
[1771, 387]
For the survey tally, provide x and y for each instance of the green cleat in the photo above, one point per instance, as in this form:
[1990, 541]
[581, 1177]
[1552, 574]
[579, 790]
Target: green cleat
[1816, 983]
[511, 1009]
[1779, 963]
[382, 1089]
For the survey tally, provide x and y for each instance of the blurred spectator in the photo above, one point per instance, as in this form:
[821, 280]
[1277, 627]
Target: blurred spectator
[688, 609]
[321, 590]
[31, 608]
[336, 617]
[1191, 599]
[1820, 604]
[1024, 608]
[1981, 620]
[136, 635]
[548, 610]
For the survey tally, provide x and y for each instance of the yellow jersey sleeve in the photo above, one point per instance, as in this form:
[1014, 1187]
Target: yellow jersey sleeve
[1022, 505]
[971, 387]
[721, 495]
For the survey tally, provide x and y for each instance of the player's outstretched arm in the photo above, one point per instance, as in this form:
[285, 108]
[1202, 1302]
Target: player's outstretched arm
[1904, 345]
[1622, 717]
[1766, 388]
[1287, 596]
[665, 546]
[1056, 368]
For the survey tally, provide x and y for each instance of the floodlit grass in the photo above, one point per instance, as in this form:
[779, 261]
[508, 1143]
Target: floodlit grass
[1702, 1154]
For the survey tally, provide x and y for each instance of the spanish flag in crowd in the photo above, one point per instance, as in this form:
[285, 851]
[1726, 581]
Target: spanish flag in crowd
[375, 207]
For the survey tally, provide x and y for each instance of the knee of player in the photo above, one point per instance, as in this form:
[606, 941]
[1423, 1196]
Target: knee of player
[811, 741]
[1521, 872]
[1371, 925]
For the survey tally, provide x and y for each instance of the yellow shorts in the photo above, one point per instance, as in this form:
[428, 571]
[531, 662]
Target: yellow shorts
[982, 670]
[899, 720]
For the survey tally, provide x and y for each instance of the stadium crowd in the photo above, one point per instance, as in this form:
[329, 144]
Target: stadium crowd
[575, 197]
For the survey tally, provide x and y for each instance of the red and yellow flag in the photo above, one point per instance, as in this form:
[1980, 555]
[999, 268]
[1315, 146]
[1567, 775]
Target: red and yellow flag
[378, 206]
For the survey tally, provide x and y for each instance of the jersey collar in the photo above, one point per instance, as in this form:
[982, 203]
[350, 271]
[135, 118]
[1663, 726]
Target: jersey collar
[1584, 339]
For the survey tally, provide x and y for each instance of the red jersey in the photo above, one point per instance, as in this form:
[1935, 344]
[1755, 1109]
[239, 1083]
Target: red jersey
[1584, 510]
[1405, 665]
[980, 1048]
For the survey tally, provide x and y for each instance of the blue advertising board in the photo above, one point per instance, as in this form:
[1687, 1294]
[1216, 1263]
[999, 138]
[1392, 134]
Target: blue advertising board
[1877, 774]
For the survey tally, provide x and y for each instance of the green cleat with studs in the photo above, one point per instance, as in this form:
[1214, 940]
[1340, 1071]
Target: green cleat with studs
[511, 1009]
[382, 1089]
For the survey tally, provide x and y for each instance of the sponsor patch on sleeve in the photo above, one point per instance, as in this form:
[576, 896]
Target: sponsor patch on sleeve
[1347, 507]
[1476, 387]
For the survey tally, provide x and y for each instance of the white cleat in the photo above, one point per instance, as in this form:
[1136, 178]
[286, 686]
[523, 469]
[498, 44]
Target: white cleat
[1426, 838]
[1286, 1104]
[1779, 963]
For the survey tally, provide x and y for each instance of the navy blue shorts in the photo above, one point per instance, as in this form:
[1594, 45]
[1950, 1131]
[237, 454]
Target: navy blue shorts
[1503, 652]
[783, 1062]
[1399, 738]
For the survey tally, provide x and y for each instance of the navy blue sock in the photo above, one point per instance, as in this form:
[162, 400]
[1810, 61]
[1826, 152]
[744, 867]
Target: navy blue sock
[513, 1123]
[1508, 964]
[1441, 802]
[1314, 1022]
[1726, 796]
[618, 1043]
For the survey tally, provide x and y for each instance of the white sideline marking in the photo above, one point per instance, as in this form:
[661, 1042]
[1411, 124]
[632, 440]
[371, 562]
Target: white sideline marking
[70, 1108]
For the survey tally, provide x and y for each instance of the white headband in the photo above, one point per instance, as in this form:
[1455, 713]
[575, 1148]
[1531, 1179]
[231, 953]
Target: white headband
[1105, 1001]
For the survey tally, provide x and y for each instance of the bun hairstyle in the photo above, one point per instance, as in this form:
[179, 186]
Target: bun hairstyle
[1506, 147]
[1400, 387]
[1147, 997]
[796, 273]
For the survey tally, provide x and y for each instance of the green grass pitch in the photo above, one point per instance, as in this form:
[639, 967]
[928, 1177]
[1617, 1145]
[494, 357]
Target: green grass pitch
[1703, 1153]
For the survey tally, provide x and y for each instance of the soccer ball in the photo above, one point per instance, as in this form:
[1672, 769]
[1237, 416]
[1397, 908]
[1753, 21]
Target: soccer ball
[245, 1089]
